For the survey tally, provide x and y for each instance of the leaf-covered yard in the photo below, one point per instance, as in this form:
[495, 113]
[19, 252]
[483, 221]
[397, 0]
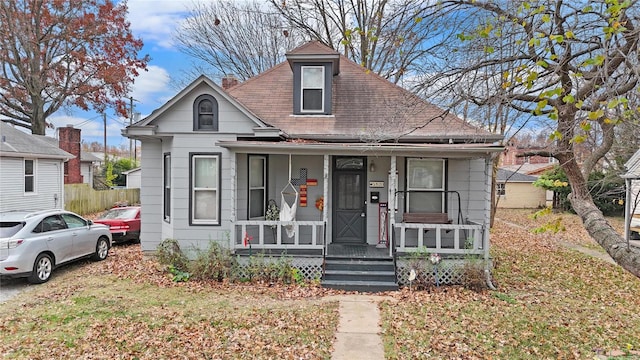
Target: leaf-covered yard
[551, 302]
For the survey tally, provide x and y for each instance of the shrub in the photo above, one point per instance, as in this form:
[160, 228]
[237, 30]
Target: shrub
[216, 263]
[170, 255]
[473, 276]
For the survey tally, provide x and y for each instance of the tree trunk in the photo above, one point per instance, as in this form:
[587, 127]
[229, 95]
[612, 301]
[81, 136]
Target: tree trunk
[596, 225]
[38, 122]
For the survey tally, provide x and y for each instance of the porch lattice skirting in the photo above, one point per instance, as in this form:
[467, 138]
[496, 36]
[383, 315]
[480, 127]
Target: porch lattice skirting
[447, 272]
[309, 267]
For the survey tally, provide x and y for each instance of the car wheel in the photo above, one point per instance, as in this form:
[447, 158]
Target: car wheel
[634, 235]
[42, 269]
[102, 249]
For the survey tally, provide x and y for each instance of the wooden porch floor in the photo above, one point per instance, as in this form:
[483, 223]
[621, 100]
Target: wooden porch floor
[357, 251]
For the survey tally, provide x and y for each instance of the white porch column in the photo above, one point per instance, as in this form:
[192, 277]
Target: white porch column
[393, 201]
[325, 196]
[627, 210]
[233, 213]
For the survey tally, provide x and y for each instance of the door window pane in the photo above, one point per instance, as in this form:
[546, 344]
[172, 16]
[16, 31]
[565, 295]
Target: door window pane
[349, 192]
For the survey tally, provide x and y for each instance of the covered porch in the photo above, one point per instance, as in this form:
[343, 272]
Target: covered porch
[360, 196]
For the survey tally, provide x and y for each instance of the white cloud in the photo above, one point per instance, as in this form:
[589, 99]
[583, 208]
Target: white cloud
[150, 83]
[155, 20]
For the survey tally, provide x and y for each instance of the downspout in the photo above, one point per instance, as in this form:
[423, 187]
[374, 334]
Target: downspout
[627, 211]
[488, 170]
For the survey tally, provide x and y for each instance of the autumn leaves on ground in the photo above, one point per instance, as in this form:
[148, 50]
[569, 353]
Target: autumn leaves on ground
[551, 302]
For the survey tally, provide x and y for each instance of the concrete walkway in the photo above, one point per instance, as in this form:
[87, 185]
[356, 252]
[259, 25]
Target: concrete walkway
[358, 335]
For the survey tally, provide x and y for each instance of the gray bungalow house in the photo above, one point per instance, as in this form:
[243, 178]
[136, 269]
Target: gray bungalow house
[354, 167]
[31, 171]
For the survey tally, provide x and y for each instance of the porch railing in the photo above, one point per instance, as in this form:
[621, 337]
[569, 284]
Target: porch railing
[273, 235]
[459, 239]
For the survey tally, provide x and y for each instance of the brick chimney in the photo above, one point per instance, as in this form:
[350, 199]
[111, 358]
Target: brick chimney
[229, 81]
[69, 141]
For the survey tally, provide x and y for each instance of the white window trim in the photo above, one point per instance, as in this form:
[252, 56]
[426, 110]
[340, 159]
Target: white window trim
[34, 176]
[409, 160]
[263, 187]
[302, 88]
[193, 191]
[504, 189]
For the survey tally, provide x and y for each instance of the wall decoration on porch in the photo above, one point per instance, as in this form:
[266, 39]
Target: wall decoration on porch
[303, 195]
[383, 225]
[303, 182]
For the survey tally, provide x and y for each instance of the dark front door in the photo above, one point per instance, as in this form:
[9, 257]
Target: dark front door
[349, 200]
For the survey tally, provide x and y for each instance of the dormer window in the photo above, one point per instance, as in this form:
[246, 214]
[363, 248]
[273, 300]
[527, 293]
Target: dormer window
[312, 89]
[205, 113]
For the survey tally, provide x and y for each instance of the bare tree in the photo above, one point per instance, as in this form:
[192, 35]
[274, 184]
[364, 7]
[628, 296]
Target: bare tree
[60, 53]
[575, 63]
[391, 38]
[235, 38]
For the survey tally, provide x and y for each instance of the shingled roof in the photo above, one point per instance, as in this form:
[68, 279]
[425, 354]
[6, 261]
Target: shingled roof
[365, 106]
[14, 142]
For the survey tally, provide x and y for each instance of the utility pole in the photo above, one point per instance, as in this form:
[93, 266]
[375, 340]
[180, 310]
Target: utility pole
[104, 121]
[131, 122]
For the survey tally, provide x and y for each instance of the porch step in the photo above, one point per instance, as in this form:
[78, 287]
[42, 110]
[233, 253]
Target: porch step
[363, 286]
[360, 274]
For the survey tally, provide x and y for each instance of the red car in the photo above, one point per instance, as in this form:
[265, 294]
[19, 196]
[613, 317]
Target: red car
[123, 222]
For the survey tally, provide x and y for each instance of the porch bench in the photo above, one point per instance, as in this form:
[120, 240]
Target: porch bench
[426, 218]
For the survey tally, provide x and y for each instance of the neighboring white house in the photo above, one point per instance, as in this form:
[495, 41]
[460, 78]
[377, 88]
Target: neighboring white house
[349, 158]
[134, 178]
[88, 164]
[31, 171]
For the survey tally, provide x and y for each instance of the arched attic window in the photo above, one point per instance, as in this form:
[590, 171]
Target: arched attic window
[205, 113]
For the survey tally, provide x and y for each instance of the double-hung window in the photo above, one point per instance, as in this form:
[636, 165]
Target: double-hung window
[426, 185]
[257, 185]
[500, 189]
[312, 89]
[29, 176]
[205, 189]
[167, 187]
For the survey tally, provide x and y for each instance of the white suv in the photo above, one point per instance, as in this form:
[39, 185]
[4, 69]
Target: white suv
[32, 244]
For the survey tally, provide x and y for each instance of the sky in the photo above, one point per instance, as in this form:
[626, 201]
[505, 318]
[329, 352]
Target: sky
[153, 21]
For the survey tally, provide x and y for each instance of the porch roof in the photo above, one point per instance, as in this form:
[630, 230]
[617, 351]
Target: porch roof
[378, 149]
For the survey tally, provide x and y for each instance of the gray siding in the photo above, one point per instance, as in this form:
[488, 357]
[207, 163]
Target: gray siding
[151, 196]
[179, 118]
[49, 187]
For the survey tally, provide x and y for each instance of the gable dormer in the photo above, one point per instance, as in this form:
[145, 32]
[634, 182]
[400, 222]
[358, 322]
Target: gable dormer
[314, 66]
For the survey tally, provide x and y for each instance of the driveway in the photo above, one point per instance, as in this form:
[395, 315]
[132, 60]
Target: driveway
[11, 287]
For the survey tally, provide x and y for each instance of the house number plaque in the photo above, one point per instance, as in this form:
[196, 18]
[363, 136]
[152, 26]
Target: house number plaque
[376, 184]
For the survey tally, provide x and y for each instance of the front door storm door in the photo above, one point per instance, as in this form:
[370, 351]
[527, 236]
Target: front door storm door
[349, 200]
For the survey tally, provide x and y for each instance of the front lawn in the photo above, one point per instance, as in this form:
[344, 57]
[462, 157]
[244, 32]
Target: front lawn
[114, 310]
[551, 302]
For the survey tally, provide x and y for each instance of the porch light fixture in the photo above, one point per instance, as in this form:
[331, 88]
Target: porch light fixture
[372, 167]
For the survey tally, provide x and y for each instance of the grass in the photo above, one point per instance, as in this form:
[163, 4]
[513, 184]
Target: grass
[551, 302]
[104, 316]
